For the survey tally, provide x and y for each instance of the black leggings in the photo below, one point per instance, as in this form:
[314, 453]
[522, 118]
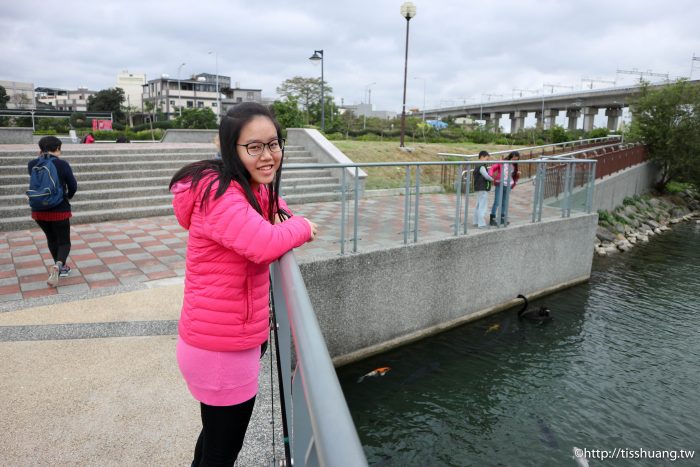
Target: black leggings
[58, 238]
[223, 430]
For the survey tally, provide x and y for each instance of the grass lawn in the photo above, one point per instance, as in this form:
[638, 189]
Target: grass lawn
[395, 177]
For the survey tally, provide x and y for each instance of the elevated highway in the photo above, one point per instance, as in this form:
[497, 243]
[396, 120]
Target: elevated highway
[575, 105]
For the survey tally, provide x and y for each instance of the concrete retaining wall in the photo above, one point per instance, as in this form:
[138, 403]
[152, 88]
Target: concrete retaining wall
[189, 136]
[324, 152]
[611, 190]
[370, 302]
[10, 135]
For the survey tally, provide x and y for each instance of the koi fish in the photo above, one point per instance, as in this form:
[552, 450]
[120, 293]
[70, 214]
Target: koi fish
[376, 372]
[492, 328]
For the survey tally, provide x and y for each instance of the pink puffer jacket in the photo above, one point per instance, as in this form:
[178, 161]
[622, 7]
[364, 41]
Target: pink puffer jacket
[229, 250]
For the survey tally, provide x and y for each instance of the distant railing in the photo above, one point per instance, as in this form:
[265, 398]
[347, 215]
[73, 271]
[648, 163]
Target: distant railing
[534, 152]
[609, 163]
[319, 430]
[412, 186]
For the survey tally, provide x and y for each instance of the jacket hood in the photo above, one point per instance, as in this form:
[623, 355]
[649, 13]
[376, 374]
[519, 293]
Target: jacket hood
[183, 202]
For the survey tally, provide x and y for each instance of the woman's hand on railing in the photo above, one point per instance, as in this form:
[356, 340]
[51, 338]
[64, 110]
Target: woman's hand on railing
[314, 229]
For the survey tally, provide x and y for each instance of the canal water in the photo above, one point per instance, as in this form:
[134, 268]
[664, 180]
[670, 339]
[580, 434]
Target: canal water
[617, 367]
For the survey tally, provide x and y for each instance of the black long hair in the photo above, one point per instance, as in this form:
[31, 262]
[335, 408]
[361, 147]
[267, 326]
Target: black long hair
[230, 167]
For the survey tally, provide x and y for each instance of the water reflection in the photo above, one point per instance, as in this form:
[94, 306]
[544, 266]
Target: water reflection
[616, 367]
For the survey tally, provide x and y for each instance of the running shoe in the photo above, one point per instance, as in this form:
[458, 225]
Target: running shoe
[65, 270]
[53, 275]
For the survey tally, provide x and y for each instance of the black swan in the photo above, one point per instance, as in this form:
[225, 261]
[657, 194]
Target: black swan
[540, 313]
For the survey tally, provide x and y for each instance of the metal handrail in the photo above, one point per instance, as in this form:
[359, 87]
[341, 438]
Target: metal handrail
[576, 142]
[322, 430]
[413, 191]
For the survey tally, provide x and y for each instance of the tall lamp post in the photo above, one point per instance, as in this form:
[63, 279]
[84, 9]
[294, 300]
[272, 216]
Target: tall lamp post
[218, 94]
[179, 90]
[315, 58]
[369, 102]
[408, 11]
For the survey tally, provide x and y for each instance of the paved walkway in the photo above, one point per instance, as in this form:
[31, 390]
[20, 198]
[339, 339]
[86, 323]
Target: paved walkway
[123, 255]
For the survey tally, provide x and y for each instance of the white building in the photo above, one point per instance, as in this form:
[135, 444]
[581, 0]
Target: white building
[132, 85]
[365, 110]
[21, 94]
[169, 95]
[62, 99]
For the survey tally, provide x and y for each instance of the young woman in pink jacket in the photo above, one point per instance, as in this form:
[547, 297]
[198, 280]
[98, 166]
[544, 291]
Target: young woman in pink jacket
[237, 225]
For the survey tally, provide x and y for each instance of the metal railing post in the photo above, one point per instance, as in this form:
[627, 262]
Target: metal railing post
[342, 212]
[536, 194]
[565, 183]
[458, 198]
[406, 205]
[415, 217]
[591, 187]
[542, 192]
[357, 200]
[467, 185]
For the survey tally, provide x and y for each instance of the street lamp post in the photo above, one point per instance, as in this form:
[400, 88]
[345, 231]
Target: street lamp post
[218, 94]
[369, 102]
[408, 11]
[315, 58]
[179, 90]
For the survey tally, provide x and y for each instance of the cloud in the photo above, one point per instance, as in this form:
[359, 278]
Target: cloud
[459, 49]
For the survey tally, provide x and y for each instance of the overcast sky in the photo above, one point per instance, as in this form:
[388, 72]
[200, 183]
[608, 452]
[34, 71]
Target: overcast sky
[461, 50]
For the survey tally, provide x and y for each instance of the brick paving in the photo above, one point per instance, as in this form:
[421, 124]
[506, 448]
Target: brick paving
[132, 252]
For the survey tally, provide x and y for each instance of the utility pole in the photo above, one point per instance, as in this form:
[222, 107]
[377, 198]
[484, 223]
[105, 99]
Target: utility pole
[641, 74]
[521, 91]
[590, 81]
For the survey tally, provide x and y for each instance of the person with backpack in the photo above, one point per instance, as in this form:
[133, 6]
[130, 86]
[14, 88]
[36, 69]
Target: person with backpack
[51, 185]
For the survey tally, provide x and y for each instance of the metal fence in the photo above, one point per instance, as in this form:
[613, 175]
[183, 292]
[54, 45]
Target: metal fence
[319, 430]
[535, 152]
[462, 178]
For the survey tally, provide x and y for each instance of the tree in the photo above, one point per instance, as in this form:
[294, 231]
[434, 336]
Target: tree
[288, 114]
[667, 120]
[306, 91]
[78, 120]
[203, 118]
[4, 121]
[3, 98]
[108, 100]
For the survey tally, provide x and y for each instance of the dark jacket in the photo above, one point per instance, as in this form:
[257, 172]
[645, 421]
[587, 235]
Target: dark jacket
[480, 183]
[67, 179]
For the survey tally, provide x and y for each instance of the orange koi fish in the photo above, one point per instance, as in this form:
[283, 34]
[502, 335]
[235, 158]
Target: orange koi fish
[376, 372]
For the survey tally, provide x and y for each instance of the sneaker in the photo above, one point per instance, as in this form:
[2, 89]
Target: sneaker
[53, 275]
[65, 270]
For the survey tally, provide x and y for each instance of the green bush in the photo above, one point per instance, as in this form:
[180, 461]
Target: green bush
[677, 187]
[45, 132]
[369, 137]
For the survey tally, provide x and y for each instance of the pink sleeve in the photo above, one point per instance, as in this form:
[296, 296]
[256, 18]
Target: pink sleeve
[236, 225]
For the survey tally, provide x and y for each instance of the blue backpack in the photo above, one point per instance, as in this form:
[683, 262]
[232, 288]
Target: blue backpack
[45, 188]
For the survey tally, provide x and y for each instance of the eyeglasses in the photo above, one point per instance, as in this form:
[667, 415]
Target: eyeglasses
[256, 149]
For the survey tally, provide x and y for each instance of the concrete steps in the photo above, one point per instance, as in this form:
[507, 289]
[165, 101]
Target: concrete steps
[131, 181]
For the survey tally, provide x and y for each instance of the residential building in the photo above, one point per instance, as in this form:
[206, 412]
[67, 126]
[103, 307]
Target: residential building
[21, 94]
[132, 85]
[365, 110]
[63, 99]
[199, 91]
